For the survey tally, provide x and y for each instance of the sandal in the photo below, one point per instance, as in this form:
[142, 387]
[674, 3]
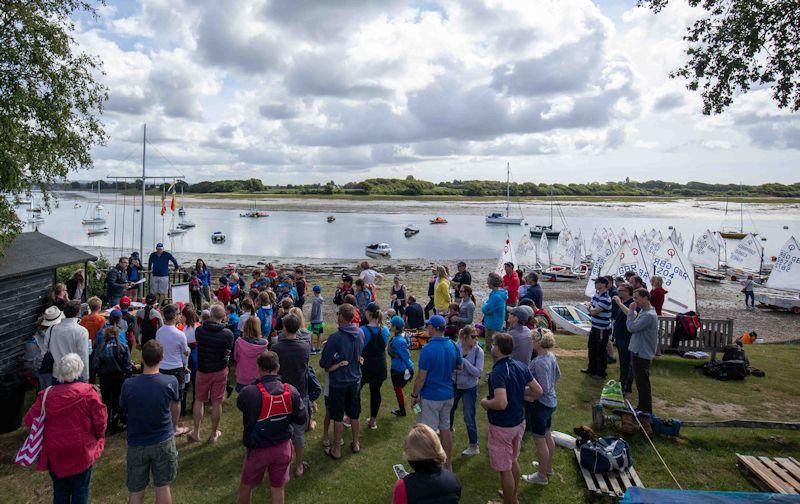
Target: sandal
[305, 466]
[326, 443]
[329, 453]
[353, 447]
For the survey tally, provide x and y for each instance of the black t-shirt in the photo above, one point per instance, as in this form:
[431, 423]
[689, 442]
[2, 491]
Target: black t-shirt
[416, 318]
[293, 358]
[464, 278]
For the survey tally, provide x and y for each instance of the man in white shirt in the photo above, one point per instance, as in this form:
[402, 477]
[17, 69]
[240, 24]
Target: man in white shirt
[176, 355]
[70, 337]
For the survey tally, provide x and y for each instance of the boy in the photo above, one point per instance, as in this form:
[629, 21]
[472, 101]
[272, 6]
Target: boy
[363, 298]
[264, 312]
[300, 286]
[93, 321]
[259, 282]
[224, 292]
[316, 326]
[402, 368]
[233, 319]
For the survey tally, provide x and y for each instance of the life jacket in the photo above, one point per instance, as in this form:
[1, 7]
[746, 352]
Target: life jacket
[542, 316]
[441, 487]
[275, 417]
[687, 326]
[149, 327]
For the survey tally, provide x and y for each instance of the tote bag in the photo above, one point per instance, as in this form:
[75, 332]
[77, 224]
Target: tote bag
[32, 447]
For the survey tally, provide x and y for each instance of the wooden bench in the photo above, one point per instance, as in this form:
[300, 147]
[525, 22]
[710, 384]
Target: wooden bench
[612, 484]
[712, 336]
[778, 474]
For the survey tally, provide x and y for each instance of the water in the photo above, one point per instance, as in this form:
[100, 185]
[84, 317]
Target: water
[286, 234]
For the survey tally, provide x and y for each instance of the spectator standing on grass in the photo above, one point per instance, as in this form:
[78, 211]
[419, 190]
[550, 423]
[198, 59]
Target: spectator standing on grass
[441, 294]
[466, 385]
[111, 362]
[363, 298]
[494, 308]
[657, 294]
[158, 265]
[432, 281]
[93, 321]
[414, 314]
[430, 481]
[204, 275]
[511, 283]
[461, 278]
[70, 337]
[373, 369]
[316, 324]
[398, 296]
[600, 312]
[622, 336]
[533, 290]
[466, 307]
[402, 367]
[175, 361]
[644, 344]
[149, 319]
[246, 351]
[523, 344]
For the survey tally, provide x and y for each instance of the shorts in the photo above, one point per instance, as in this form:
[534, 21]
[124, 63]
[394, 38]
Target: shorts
[161, 459]
[211, 386]
[435, 414]
[344, 400]
[180, 374]
[504, 445]
[299, 430]
[317, 327]
[398, 378]
[538, 418]
[159, 285]
[275, 459]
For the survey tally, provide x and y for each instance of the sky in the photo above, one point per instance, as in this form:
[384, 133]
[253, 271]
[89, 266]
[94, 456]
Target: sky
[305, 91]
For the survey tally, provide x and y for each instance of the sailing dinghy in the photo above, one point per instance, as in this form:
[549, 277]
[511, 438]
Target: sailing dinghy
[570, 319]
[784, 280]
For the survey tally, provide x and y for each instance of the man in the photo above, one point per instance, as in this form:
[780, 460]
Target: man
[534, 291]
[622, 337]
[214, 346]
[523, 343]
[612, 292]
[600, 311]
[293, 355]
[462, 277]
[152, 401]
[176, 355]
[158, 264]
[341, 355]
[70, 337]
[510, 385]
[511, 283]
[117, 281]
[644, 343]
[433, 386]
[637, 283]
[266, 435]
[413, 314]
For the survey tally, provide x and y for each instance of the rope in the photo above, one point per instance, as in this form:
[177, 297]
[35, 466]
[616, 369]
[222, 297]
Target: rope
[630, 407]
[153, 233]
[124, 208]
[163, 195]
[116, 210]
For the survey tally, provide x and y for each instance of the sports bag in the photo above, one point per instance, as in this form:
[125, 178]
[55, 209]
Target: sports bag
[32, 447]
[605, 455]
[275, 416]
[612, 395]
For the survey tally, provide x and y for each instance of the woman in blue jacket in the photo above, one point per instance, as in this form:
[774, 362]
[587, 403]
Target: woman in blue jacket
[494, 309]
[201, 270]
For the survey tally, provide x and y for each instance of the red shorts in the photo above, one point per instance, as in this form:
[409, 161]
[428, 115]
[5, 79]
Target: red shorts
[211, 386]
[504, 445]
[275, 459]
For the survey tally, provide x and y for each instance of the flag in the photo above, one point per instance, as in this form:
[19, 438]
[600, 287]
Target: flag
[171, 188]
[163, 204]
[173, 204]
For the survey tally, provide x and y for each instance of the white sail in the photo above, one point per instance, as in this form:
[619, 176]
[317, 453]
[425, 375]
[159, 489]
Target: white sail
[565, 250]
[526, 252]
[595, 244]
[705, 251]
[543, 251]
[628, 257]
[674, 237]
[623, 235]
[506, 255]
[644, 259]
[748, 255]
[785, 274]
[671, 264]
[600, 259]
[653, 244]
[577, 258]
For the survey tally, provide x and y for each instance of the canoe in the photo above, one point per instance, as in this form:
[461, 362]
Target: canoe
[570, 319]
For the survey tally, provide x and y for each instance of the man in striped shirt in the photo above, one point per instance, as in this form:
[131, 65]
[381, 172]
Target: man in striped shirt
[600, 311]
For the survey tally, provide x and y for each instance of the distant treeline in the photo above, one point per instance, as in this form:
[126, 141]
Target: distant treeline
[414, 187]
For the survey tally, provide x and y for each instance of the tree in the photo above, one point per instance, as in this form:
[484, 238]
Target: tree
[740, 44]
[50, 101]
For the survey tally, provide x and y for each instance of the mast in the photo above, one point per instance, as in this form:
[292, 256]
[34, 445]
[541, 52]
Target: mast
[551, 207]
[141, 216]
[741, 208]
[508, 186]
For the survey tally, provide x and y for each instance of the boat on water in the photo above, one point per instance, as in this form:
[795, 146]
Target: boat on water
[537, 230]
[505, 218]
[34, 210]
[733, 233]
[181, 210]
[97, 231]
[95, 216]
[217, 237]
[25, 202]
[411, 230]
[378, 249]
[439, 220]
[331, 218]
[570, 318]
[254, 212]
[76, 205]
[186, 224]
[35, 219]
[176, 231]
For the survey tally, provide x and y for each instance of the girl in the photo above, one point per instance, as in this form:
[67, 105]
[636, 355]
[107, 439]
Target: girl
[373, 367]
[264, 312]
[248, 310]
[441, 294]
[191, 321]
[466, 383]
[398, 296]
[246, 352]
[201, 270]
[402, 370]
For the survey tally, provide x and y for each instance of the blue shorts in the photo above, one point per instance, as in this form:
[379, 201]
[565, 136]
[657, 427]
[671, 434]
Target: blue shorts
[538, 418]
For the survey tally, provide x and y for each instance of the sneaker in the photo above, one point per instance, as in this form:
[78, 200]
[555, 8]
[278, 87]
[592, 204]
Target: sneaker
[535, 479]
[535, 465]
[346, 422]
[399, 412]
[471, 451]
[586, 371]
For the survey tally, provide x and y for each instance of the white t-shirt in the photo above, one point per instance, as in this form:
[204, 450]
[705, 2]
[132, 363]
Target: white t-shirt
[369, 276]
[175, 348]
[189, 332]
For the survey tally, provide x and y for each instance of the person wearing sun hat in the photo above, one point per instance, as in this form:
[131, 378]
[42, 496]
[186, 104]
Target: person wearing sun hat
[36, 347]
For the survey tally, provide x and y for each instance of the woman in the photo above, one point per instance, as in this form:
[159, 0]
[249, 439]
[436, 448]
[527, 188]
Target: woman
[441, 294]
[494, 308]
[466, 310]
[246, 351]
[75, 286]
[431, 292]
[657, 294]
[201, 270]
[303, 334]
[373, 368]
[74, 428]
[58, 296]
[539, 414]
[466, 383]
[369, 275]
[402, 368]
[398, 296]
[429, 482]
[134, 272]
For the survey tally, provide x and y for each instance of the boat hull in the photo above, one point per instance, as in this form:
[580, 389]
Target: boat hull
[88, 222]
[511, 221]
[780, 301]
[570, 319]
[708, 275]
[733, 235]
[550, 233]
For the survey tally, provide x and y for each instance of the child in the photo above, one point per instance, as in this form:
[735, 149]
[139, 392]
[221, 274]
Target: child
[402, 368]
[451, 329]
[264, 313]
[224, 292]
[363, 298]
[271, 272]
[111, 362]
[233, 320]
[259, 282]
[248, 310]
[286, 304]
[326, 422]
[351, 300]
[93, 321]
[300, 286]
[196, 290]
[317, 326]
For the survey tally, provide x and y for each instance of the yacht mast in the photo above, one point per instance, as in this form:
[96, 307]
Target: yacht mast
[508, 186]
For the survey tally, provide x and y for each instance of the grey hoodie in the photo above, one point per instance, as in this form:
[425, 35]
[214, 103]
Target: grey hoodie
[345, 344]
[316, 309]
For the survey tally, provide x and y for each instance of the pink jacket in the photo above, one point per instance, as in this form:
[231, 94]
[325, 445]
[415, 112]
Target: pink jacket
[246, 355]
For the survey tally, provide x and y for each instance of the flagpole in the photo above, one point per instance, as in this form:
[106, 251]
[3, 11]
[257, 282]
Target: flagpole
[141, 217]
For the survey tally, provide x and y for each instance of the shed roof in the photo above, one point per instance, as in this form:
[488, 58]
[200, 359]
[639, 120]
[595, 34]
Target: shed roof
[32, 252]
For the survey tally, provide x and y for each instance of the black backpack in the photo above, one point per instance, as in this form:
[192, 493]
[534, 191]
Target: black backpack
[109, 357]
[149, 327]
[46, 367]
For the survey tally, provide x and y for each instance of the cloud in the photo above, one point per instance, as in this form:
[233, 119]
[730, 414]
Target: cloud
[323, 74]
[277, 111]
[668, 102]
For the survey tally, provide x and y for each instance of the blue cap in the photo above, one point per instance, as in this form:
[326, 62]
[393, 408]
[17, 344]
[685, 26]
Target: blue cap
[397, 321]
[437, 321]
[317, 289]
[116, 314]
[159, 245]
[283, 284]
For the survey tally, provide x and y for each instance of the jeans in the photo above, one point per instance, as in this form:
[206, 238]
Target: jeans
[625, 371]
[749, 296]
[641, 373]
[598, 339]
[72, 489]
[470, 397]
[430, 307]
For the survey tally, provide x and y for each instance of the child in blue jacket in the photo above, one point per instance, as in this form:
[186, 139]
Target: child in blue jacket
[402, 368]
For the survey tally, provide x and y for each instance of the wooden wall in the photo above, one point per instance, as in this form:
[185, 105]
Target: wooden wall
[22, 300]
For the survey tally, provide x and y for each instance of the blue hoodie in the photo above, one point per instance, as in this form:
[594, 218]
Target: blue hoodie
[398, 351]
[346, 344]
[494, 310]
[264, 314]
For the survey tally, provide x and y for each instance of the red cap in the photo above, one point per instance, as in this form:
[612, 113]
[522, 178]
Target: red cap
[125, 302]
[181, 305]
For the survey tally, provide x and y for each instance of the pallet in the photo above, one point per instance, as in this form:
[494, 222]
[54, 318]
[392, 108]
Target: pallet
[774, 474]
[611, 484]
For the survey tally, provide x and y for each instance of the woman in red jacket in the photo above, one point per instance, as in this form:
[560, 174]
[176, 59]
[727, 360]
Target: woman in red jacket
[658, 293]
[74, 428]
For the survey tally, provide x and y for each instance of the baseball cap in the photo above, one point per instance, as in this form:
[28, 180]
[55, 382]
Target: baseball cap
[521, 313]
[159, 245]
[116, 314]
[437, 321]
[397, 321]
[124, 302]
[602, 280]
[317, 289]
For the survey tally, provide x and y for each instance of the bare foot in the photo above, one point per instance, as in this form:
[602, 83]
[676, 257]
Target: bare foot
[194, 437]
[215, 437]
[312, 425]
[180, 431]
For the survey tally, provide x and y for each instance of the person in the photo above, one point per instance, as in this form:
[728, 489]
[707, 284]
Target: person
[70, 337]
[398, 296]
[38, 346]
[158, 265]
[517, 328]
[539, 413]
[191, 322]
[371, 277]
[111, 362]
[270, 271]
[465, 381]
[117, 281]
[441, 294]
[466, 308]
[75, 425]
[270, 408]
[343, 346]
[494, 308]
[749, 293]
[373, 368]
[115, 320]
[432, 281]
[93, 321]
[134, 274]
[214, 346]
[130, 319]
[511, 283]
[402, 367]
[643, 326]
[233, 320]
[363, 298]
[413, 314]
[351, 300]
[461, 278]
[148, 319]
[151, 401]
[657, 294]
[612, 291]
[344, 289]
[317, 324]
[246, 351]
[293, 356]
[303, 334]
[451, 316]
[223, 293]
[76, 286]
[248, 310]
[534, 290]
[264, 312]
[301, 286]
[622, 336]
[510, 384]
[59, 296]
[287, 304]
[433, 386]
[175, 361]
[637, 283]
[600, 312]
[204, 276]
[430, 481]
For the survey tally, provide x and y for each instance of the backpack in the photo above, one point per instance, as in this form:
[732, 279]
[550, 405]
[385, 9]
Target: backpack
[275, 417]
[686, 327]
[726, 370]
[149, 327]
[108, 357]
[605, 455]
[46, 367]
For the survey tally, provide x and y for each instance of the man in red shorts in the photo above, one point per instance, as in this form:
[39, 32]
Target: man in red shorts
[269, 408]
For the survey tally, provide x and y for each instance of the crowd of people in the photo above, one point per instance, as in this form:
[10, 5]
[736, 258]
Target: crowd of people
[188, 349]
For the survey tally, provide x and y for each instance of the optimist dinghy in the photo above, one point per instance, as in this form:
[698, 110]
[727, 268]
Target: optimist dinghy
[570, 319]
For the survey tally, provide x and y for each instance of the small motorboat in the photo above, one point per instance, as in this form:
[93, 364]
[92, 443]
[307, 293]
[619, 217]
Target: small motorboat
[571, 319]
[76, 205]
[709, 275]
[378, 249]
[137, 210]
[254, 214]
[185, 224]
[24, 202]
[93, 221]
[176, 231]
[500, 218]
[411, 230]
[35, 218]
[538, 230]
[217, 237]
[439, 220]
[97, 231]
[331, 218]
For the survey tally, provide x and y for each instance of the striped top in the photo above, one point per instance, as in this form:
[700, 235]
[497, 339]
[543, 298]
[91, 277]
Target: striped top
[603, 319]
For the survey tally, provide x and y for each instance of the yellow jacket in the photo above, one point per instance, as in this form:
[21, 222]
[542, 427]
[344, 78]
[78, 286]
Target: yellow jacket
[441, 296]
